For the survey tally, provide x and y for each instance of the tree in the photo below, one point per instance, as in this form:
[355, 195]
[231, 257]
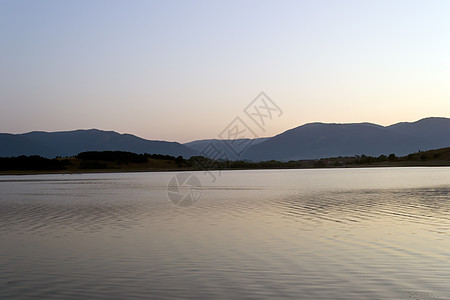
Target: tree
[392, 157]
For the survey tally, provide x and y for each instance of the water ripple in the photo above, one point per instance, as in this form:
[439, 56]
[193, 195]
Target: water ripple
[115, 236]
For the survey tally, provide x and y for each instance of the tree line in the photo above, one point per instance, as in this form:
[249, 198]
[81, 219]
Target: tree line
[32, 163]
[100, 160]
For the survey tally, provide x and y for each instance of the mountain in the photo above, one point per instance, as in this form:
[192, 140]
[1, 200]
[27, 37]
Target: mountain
[231, 148]
[69, 143]
[435, 131]
[320, 140]
[309, 141]
[13, 145]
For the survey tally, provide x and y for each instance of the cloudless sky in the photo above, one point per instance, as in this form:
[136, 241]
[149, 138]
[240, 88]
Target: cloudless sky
[183, 70]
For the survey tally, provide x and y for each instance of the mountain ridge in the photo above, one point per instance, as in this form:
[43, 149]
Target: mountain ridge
[308, 141]
[318, 140]
[69, 143]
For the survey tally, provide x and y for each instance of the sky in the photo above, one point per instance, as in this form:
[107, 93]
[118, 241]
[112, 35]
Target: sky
[184, 70]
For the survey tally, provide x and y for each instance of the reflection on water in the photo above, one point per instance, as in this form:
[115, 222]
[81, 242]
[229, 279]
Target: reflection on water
[301, 234]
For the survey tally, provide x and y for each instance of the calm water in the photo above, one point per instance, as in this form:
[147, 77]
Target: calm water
[300, 234]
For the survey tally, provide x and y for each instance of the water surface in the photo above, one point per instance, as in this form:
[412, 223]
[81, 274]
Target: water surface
[300, 234]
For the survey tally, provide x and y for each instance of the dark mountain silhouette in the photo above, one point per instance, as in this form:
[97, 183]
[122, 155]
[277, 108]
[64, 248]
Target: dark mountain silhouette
[309, 141]
[434, 131]
[69, 143]
[231, 148]
[320, 140]
[14, 145]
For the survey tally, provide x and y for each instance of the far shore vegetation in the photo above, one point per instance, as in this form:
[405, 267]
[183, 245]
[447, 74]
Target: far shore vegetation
[121, 161]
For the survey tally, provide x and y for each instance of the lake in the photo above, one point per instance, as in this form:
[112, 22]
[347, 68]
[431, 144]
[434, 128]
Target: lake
[369, 233]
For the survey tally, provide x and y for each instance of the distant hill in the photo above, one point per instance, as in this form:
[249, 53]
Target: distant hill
[69, 143]
[437, 156]
[13, 145]
[231, 148]
[434, 131]
[320, 140]
[309, 141]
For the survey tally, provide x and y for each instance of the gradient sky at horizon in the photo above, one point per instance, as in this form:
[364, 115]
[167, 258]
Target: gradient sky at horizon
[183, 70]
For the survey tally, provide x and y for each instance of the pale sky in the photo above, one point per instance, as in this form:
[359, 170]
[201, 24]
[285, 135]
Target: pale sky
[183, 70]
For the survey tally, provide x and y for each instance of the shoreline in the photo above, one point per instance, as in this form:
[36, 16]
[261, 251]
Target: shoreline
[143, 170]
